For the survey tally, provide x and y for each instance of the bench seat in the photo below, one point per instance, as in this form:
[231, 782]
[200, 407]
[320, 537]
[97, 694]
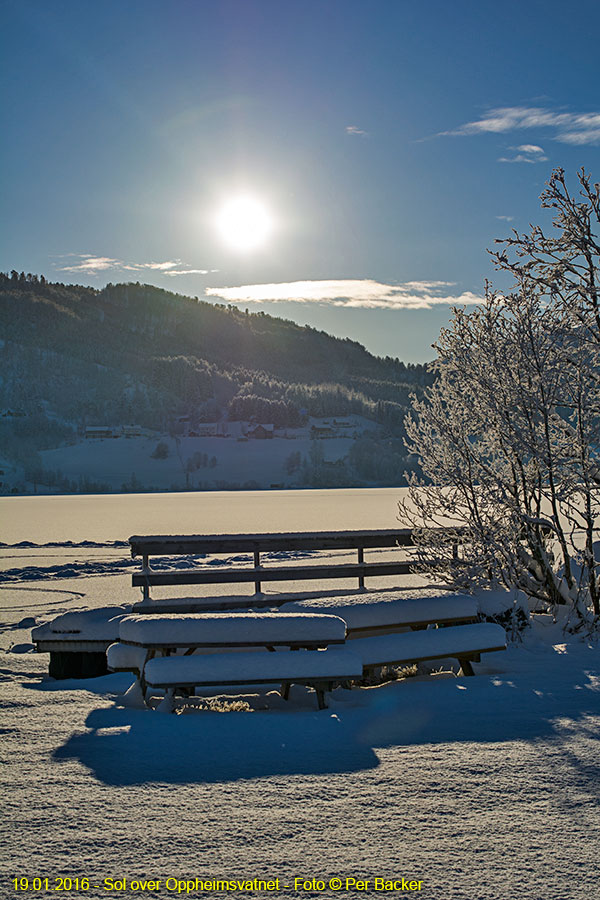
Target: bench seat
[126, 658]
[463, 642]
[320, 669]
[254, 667]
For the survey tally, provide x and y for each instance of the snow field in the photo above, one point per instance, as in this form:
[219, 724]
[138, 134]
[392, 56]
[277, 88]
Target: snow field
[485, 788]
[113, 461]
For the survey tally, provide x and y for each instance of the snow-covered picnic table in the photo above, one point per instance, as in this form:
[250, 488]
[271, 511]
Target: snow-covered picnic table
[173, 646]
[151, 646]
[146, 645]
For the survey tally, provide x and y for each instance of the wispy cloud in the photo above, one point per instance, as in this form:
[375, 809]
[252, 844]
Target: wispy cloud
[354, 129]
[363, 293]
[89, 264]
[172, 267]
[187, 272]
[161, 266]
[505, 218]
[569, 128]
[525, 153]
[529, 148]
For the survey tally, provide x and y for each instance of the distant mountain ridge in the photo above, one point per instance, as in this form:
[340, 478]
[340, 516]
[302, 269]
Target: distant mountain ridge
[133, 353]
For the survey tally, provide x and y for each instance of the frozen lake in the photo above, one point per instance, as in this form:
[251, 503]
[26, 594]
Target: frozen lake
[110, 517]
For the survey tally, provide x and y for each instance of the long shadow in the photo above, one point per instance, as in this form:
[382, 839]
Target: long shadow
[127, 746]
[130, 746]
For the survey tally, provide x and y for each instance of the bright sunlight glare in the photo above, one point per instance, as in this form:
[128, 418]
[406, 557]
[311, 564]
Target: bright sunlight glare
[244, 223]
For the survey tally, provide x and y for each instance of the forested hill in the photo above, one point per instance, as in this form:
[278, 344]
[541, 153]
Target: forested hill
[74, 355]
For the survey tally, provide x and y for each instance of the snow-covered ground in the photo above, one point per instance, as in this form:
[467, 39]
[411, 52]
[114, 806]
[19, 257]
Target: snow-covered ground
[484, 788]
[251, 461]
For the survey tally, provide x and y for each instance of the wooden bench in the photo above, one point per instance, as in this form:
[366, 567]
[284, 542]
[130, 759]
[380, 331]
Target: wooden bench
[147, 644]
[319, 669]
[374, 618]
[399, 631]
[143, 637]
[257, 544]
[465, 643]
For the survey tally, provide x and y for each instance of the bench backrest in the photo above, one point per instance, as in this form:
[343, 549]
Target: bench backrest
[173, 545]
[176, 545]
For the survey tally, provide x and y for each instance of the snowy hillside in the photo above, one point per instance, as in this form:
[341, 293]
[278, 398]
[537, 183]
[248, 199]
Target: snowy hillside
[132, 360]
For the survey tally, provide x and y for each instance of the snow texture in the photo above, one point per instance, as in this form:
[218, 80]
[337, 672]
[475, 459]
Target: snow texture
[495, 603]
[261, 462]
[231, 628]
[487, 788]
[367, 611]
[125, 658]
[436, 642]
[91, 625]
[254, 666]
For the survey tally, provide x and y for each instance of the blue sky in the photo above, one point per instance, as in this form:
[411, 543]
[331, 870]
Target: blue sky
[390, 142]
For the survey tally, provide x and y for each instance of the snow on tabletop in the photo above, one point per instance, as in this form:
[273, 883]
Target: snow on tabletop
[125, 657]
[406, 647]
[227, 628]
[253, 666]
[101, 624]
[368, 612]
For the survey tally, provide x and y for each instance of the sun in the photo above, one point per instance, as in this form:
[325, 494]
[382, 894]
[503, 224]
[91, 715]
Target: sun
[244, 223]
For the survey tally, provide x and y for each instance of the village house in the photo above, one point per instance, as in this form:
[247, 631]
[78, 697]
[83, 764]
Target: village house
[322, 431]
[261, 432]
[99, 432]
[133, 431]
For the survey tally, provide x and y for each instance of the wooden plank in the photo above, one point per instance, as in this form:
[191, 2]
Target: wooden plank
[72, 646]
[407, 660]
[401, 627]
[171, 545]
[279, 573]
[164, 682]
[195, 645]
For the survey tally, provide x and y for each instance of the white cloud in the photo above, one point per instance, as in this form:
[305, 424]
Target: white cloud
[569, 128]
[161, 265]
[505, 218]
[354, 129]
[587, 136]
[91, 264]
[529, 148]
[522, 158]
[528, 153]
[363, 293]
[186, 272]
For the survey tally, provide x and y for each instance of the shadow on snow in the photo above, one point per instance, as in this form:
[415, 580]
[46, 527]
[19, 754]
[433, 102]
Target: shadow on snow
[552, 695]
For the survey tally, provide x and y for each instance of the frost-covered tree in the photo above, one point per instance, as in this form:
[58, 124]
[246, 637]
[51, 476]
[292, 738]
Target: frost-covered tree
[509, 436]
[564, 265]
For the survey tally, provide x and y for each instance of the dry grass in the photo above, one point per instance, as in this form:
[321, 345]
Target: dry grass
[384, 674]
